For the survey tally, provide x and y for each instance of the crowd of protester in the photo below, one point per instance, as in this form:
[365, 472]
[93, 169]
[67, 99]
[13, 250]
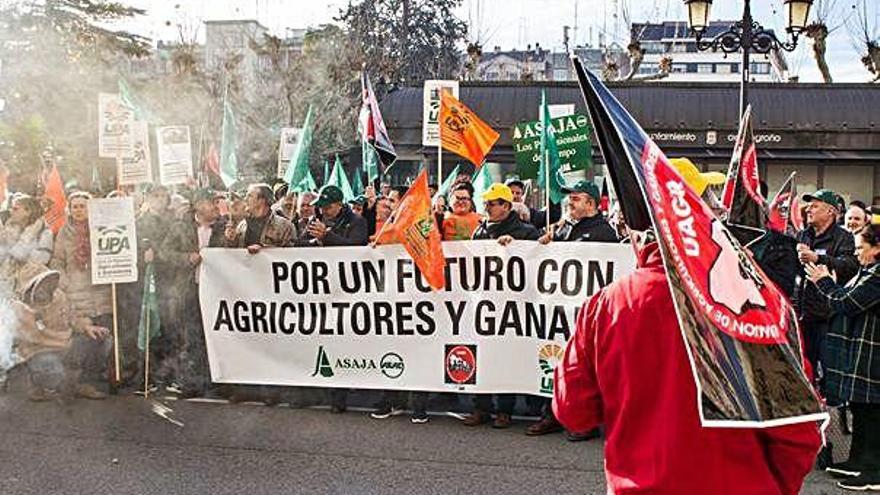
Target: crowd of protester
[63, 338]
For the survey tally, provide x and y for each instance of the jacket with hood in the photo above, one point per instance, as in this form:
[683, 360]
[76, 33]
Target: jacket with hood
[626, 367]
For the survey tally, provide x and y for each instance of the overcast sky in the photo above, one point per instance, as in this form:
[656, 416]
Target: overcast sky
[516, 23]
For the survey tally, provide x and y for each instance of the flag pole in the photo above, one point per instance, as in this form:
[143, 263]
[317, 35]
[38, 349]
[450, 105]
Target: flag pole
[439, 162]
[547, 184]
[116, 372]
[147, 356]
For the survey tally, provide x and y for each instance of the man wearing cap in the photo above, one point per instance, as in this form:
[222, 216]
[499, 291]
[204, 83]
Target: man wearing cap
[503, 224]
[537, 217]
[181, 250]
[261, 227]
[584, 222]
[334, 224]
[823, 242]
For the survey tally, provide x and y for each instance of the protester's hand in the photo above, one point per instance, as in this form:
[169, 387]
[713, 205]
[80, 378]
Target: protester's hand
[149, 255]
[230, 231]
[370, 194]
[807, 256]
[195, 258]
[440, 205]
[505, 240]
[317, 229]
[545, 239]
[818, 272]
[95, 332]
[254, 248]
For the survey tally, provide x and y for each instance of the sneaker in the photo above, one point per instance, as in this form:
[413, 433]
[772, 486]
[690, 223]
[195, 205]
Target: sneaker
[419, 418]
[572, 436]
[174, 388]
[86, 391]
[543, 427]
[862, 483]
[476, 418]
[502, 420]
[140, 391]
[846, 469]
[386, 412]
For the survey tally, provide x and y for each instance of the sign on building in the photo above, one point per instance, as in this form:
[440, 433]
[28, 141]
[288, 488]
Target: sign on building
[431, 110]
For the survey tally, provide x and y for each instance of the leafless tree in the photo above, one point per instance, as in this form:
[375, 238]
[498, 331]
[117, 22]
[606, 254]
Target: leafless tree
[865, 34]
[818, 31]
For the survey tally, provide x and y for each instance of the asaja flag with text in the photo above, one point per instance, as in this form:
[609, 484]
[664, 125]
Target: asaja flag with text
[462, 132]
[148, 327]
[550, 169]
[412, 224]
[55, 216]
[742, 192]
[372, 129]
[229, 147]
[298, 175]
[739, 329]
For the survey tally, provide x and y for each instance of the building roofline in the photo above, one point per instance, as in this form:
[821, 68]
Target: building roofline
[673, 84]
[237, 21]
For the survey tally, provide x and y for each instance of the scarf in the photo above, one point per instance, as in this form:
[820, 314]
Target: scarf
[82, 252]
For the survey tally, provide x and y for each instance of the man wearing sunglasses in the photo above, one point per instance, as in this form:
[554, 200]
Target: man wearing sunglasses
[503, 224]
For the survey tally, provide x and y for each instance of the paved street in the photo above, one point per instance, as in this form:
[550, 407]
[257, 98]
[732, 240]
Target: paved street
[121, 446]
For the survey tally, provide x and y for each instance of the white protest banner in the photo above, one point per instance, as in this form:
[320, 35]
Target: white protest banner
[137, 167]
[287, 147]
[115, 126]
[114, 240]
[175, 154]
[363, 318]
[431, 110]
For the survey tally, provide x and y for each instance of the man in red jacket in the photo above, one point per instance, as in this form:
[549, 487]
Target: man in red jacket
[626, 367]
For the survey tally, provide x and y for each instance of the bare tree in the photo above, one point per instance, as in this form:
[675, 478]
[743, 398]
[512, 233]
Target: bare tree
[634, 47]
[818, 31]
[866, 38]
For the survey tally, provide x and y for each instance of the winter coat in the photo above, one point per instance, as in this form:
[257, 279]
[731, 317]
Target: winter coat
[626, 367]
[85, 299]
[511, 226]
[588, 229]
[277, 232]
[347, 229]
[19, 246]
[776, 254]
[183, 240]
[852, 345]
[835, 248]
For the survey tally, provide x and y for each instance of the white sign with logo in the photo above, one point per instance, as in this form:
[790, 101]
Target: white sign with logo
[360, 317]
[113, 240]
[136, 168]
[175, 154]
[115, 126]
[431, 110]
[287, 147]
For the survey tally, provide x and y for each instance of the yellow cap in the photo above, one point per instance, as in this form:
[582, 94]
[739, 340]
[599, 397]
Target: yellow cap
[498, 191]
[698, 181]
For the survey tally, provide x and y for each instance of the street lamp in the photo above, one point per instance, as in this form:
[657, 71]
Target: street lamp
[747, 35]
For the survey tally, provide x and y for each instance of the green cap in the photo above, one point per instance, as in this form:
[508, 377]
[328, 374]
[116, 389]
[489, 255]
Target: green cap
[358, 200]
[583, 186]
[826, 196]
[327, 195]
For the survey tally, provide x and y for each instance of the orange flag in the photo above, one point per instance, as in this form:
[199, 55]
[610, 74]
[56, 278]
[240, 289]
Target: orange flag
[55, 214]
[412, 224]
[462, 132]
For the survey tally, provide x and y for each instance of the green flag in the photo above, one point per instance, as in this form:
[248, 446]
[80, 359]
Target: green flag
[447, 182]
[134, 103]
[339, 179]
[357, 189]
[549, 156]
[481, 181]
[298, 176]
[229, 147]
[370, 161]
[149, 310]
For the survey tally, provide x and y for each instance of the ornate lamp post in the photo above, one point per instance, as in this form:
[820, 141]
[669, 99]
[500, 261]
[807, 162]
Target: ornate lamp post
[747, 35]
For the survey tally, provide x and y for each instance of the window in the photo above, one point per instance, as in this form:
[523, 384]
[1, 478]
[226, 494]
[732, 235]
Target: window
[679, 68]
[692, 68]
[679, 48]
[722, 68]
[760, 68]
[704, 68]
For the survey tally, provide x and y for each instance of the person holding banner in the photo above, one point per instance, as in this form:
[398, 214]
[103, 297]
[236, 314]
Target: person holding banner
[537, 217]
[626, 366]
[261, 228]
[852, 367]
[504, 225]
[72, 258]
[462, 221]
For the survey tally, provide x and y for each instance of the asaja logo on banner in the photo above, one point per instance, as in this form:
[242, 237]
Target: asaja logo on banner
[112, 240]
[390, 364]
[549, 356]
[461, 364]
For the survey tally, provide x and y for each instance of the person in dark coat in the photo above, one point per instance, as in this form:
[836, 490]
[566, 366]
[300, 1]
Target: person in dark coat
[852, 357]
[504, 225]
[822, 243]
[182, 251]
[537, 217]
[334, 224]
